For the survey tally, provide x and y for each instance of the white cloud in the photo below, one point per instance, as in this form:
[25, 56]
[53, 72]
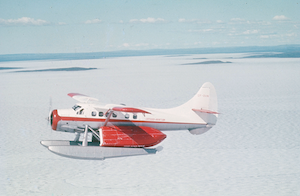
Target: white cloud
[181, 20]
[93, 21]
[148, 20]
[23, 21]
[142, 45]
[280, 18]
[242, 21]
[235, 32]
[126, 45]
[291, 35]
[201, 30]
[237, 20]
[270, 36]
[264, 23]
[198, 21]
[62, 23]
[250, 32]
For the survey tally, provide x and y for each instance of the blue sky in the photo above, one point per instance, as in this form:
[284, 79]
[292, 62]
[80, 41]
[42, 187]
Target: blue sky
[43, 26]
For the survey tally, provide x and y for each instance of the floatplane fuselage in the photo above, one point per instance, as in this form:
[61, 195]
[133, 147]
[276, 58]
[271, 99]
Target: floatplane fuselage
[119, 130]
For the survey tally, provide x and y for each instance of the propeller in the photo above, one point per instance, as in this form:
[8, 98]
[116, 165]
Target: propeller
[49, 118]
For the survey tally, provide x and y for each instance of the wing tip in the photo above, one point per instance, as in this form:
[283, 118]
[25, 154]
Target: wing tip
[75, 94]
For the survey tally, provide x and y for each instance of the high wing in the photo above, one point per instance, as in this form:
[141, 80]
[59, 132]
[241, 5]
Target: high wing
[82, 98]
[86, 99]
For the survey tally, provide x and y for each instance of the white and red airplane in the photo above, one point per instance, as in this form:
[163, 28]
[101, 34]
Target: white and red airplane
[119, 130]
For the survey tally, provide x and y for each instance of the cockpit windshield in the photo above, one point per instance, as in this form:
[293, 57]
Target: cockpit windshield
[76, 107]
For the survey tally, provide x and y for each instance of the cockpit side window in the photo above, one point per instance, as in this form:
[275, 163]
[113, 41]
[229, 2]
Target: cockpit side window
[76, 107]
[81, 111]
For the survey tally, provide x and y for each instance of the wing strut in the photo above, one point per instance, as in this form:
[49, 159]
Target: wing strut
[85, 136]
[109, 113]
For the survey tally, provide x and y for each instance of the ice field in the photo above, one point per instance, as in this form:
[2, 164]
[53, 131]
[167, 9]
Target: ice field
[253, 150]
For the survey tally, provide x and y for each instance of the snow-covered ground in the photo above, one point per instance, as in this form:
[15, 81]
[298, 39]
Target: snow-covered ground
[253, 150]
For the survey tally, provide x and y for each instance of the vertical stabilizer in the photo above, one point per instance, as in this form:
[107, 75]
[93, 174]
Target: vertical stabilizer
[205, 100]
[205, 105]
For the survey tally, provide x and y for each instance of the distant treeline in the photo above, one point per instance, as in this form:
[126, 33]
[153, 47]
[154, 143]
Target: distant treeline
[283, 51]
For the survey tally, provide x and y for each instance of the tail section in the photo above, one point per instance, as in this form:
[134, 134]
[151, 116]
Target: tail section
[205, 100]
[204, 104]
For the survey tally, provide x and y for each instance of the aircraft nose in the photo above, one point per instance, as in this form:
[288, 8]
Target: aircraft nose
[54, 119]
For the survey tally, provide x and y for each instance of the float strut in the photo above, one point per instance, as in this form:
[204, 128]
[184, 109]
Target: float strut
[77, 136]
[84, 142]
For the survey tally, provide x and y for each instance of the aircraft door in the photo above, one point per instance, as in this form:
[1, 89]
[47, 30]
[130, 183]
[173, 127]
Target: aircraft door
[81, 115]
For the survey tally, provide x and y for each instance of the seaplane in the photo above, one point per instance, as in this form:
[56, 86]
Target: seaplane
[117, 130]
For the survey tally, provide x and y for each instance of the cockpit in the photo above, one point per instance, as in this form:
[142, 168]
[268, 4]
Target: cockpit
[76, 107]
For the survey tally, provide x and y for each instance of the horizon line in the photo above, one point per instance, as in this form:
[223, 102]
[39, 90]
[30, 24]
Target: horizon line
[149, 52]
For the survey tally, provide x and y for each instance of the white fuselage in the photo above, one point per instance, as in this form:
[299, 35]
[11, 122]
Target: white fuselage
[197, 115]
[74, 120]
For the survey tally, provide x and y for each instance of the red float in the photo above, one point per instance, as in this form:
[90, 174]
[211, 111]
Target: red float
[131, 136]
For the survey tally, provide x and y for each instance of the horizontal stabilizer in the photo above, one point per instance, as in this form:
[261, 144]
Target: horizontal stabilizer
[205, 111]
[97, 152]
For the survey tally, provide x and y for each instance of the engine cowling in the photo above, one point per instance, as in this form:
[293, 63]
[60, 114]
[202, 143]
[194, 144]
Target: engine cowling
[54, 119]
[130, 136]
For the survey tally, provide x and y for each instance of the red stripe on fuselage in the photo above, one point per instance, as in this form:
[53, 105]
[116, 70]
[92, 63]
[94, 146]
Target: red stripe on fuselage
[119, 120]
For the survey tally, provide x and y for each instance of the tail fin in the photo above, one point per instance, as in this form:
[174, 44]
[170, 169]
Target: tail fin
[205, 105]
[204, 101]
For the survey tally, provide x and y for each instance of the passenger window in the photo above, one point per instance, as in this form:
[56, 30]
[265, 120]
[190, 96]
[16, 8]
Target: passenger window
[94, 113]
[134, 116]
[114, 115]
[126, 116]
[100, 114]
